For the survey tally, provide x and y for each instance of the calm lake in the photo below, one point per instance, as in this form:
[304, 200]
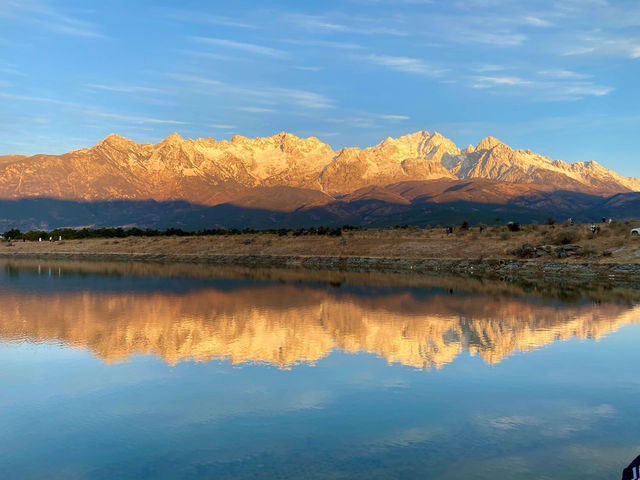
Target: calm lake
[187, 372]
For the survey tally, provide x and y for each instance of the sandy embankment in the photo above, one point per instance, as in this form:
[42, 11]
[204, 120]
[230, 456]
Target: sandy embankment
[612, 253]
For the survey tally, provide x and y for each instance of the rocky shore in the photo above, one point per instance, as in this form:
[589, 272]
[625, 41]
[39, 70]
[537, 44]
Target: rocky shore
[575, 274]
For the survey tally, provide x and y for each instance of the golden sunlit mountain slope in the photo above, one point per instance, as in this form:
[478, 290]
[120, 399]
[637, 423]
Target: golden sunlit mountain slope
[210, 172]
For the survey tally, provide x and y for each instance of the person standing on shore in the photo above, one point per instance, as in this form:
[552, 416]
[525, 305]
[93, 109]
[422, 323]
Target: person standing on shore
[632, 472]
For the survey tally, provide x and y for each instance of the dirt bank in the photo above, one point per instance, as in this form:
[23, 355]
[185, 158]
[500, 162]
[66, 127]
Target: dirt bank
[610, 255]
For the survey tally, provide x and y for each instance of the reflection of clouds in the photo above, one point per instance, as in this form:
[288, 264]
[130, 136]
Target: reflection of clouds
[577, 419]
[512, 422]
[556, 420]
[405, 437]
[310, 399]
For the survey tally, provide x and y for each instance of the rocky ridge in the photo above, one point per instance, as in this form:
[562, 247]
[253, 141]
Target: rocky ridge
[210, 172]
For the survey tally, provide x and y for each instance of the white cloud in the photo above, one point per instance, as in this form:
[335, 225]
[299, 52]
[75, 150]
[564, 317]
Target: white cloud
[367, 120]
[564, 74]
[207, 55]
[307, 68]
[42, 13]
[13, 71]
[489, 82]
[393, 117]
[245, 47]
[27, 98]
[206, 18]
[220, 126]
[490, 68]
[404, 64]
[537, 22]
[195, 79]
[358, 25]
[499, 39]
[270, 95]
[133, 118]
[122, 88]
[254, 109]
[607, 45]
[579, 51]
[547, 85]
[326, 43]
[302, 98]
[584, 89]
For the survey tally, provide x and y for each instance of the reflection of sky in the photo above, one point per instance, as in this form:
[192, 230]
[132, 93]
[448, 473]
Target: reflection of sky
[569, 408]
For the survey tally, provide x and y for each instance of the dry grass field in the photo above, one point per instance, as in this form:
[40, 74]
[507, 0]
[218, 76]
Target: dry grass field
[613, 243]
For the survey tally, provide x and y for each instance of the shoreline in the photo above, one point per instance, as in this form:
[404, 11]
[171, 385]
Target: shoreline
[569, 273]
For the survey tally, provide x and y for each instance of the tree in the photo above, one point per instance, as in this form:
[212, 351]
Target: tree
[12, 234]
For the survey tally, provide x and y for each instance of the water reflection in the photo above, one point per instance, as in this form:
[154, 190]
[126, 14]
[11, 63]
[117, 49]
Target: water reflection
[261, 320]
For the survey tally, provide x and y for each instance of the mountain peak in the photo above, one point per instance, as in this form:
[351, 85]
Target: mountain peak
[114, 140]
[488, 143]
[172, 139]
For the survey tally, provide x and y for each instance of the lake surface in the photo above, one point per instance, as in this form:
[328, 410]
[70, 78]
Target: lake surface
[170, 372]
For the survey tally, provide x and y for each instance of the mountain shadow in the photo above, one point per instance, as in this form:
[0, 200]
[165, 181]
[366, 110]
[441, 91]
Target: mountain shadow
[406, 203]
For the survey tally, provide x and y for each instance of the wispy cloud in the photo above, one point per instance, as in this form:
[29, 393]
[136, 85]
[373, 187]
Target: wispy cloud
[195, 79]
[368, 119]
[495, 81]
[92, 111]
[393, 117]
[206, 18]
[208, 55]
[582, 89]
[245, 47]
[537, 22]
[405, 64]
[134, 118]
[12, 71]
[254, 109]
[51, 18]
[357, 25]
[122, 88]
[27, 98]
[326, 43]
[490, 68]
[302, 98]
[221, 126]
[553, 85]
[499, 39]
[564, 74]
[308, 68]
[579, 51]
[607, 45]
[272, 95]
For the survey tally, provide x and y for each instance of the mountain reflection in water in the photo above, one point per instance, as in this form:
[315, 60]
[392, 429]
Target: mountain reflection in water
[286, 324]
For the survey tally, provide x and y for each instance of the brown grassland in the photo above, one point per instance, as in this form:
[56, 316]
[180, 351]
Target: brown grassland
[612, 244]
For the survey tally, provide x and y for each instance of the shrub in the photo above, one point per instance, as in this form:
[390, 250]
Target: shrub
[565, 237]
[513, 226]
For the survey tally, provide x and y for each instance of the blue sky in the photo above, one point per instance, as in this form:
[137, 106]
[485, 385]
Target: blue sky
[560, 77]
